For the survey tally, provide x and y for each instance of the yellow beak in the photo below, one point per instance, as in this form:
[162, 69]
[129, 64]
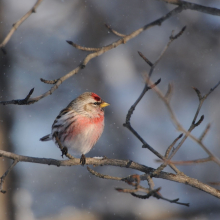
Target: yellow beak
[104, 104]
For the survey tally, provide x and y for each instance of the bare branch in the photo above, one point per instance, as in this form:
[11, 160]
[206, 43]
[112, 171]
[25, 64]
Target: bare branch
[155, 193]
[104, 50]
[5, 175]
[24, 101]
[93, 172]
[188, 162]
[49, 81]
[172, 145]
[169, 92]
[145, 59]
[195, 7]
[181, 129]
[150, 182]
[147, 86]
[162, 166]
[83, 48]
[119, 163]
[17, 24]
[114, 32]
[173, 37]
[205, 132]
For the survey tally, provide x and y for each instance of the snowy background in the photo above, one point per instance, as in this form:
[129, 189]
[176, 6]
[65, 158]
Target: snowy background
[38, 49]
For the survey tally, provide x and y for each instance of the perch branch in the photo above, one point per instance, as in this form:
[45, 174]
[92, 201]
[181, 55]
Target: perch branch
[118, 163]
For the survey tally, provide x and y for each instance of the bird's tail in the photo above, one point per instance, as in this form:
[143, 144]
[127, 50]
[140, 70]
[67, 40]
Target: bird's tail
[46, 138]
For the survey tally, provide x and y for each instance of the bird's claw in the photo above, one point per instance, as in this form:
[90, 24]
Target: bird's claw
[64, 151]
[83, 159]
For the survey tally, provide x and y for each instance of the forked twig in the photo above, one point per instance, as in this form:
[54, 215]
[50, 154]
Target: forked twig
[25, 101]
[193, 125]
[148, 86]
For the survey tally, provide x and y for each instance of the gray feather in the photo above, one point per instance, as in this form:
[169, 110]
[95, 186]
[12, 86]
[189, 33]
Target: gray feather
[46, 138]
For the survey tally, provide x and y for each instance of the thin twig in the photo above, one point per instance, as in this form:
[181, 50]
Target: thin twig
[127, 123]
[172, 145]
[17, 24]
[25, 101]
[195, 7]
[150, 182]
[95, 173]
[187, 162]
[205, 132]
[114, 31]
[181, 129]
[83, 48]
[162, 166]
[155, 193]
[2, 180]
[169, 92]
[49, 81]
[145, 59]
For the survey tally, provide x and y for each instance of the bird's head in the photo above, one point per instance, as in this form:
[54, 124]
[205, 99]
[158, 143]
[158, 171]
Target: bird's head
[91, 103]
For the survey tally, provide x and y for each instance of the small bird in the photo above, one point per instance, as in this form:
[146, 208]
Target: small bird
[79, 126]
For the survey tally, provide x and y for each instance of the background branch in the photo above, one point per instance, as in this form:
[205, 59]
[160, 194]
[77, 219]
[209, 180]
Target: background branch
[100, 52]
[17, 24]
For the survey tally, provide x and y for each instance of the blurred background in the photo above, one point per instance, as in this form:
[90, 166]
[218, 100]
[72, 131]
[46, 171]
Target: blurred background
[38, 49]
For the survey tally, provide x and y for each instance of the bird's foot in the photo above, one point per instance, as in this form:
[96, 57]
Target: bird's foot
[64, 151]
[104, 158]
[83, 159]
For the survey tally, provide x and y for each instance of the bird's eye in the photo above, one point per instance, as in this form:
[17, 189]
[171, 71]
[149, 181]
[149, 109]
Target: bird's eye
[96, 103]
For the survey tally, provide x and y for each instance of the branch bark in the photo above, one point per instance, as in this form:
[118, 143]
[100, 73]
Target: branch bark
[118, 163]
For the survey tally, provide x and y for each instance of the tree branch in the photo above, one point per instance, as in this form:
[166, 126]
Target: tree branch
[100, 52]
[118, 163]
[17, 24]
[194, 6]
[193, 125]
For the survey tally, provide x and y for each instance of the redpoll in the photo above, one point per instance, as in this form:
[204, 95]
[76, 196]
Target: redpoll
[79, 126]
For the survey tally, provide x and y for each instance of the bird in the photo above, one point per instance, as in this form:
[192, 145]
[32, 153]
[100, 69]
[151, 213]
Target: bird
[79, 126]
